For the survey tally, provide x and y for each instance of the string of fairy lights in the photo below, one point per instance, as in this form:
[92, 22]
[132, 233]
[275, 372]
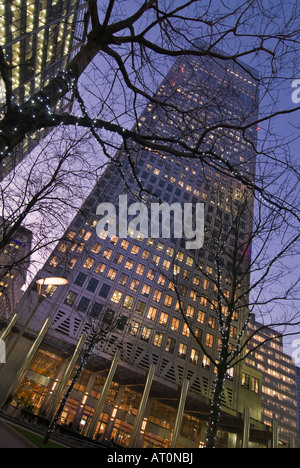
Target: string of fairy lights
[37, 110]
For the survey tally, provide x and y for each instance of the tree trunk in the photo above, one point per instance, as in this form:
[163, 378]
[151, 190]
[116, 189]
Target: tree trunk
[215, 408]
[53, 423]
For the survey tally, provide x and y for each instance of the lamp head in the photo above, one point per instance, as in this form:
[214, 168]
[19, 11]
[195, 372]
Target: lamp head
[54, 281]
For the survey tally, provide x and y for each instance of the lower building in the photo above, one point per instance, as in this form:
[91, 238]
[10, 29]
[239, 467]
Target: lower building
[14, 264]
[125, 282]
[298, 402]
[279, 398]
[115, 399]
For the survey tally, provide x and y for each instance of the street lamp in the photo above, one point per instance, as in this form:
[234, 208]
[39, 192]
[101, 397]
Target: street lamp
[50, 281]
[53, 280]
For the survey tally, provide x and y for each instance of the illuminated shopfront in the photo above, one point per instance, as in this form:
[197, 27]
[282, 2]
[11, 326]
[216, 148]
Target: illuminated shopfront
[117, 420]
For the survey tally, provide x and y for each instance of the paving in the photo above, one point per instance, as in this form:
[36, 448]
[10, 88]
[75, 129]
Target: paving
[10, 438]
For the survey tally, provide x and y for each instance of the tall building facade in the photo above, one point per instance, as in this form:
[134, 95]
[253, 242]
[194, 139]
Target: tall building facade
[14, 264]
[298, 401]
[279, 380]
[38, 39]
[131, 283]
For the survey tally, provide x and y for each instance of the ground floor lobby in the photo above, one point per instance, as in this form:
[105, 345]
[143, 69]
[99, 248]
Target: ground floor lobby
[123, 403]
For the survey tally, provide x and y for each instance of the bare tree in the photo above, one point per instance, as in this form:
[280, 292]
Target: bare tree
[125, 56]
[125, 52]
[117, 71]
[96, 330]
[43, 194]
[246, 268]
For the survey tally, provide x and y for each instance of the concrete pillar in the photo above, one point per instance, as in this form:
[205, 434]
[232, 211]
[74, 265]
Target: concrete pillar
[246, 431]
[292, 442]
[27, 361]
[24, 326]
[61, 386]
[101, 401]
[7, 330]
[180, 411]
[275, 434]
[140, 414]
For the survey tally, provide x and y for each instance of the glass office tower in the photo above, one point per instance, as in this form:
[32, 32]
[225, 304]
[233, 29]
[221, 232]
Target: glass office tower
[14, 263]
[130, 284]
[279, 383]
[38, 39]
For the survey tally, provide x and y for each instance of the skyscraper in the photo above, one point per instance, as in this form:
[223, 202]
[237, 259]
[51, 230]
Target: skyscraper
[14, 263]
[130, 283]
[38, 39]
[279, 389]
[298, 400]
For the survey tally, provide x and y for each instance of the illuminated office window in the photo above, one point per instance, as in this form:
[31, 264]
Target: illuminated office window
[182, 350]
[158, 338]
[151, 313]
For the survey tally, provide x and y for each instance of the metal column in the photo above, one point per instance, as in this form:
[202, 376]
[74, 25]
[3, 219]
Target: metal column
[246, 431]
[140, 415]
[101, 402]
[7, 331]
[184, 391]
[66, 377]
[28, 360]
[275, 434]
